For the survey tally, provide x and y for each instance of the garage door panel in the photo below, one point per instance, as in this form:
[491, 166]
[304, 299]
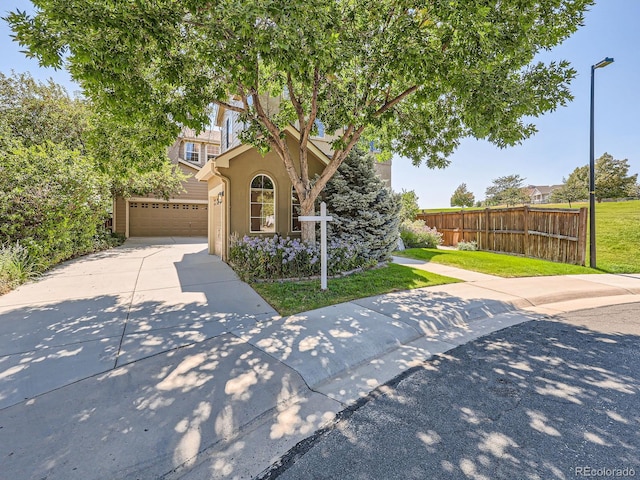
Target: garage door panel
[150, 219]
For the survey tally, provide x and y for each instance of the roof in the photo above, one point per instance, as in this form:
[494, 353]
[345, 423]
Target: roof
[222, 161]
[210, 136]
[545, 189]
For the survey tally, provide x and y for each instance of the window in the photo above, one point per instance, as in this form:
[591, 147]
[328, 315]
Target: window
[192, 152]
[262, 204]
[212, 151]
[227, 132]
[320, 127]
[295, 211]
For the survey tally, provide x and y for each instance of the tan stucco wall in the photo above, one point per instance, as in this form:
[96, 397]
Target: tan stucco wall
[242, 169]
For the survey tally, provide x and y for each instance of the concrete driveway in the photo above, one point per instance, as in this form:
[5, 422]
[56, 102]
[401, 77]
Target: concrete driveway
[103, 311]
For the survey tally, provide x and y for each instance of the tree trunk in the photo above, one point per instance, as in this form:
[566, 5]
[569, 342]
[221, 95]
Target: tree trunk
[308, 228]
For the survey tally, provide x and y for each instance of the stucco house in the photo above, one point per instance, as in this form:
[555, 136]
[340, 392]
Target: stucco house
[184, 215]
[250, 194]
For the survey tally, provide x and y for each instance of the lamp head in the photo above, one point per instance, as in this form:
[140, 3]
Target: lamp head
[603, 63]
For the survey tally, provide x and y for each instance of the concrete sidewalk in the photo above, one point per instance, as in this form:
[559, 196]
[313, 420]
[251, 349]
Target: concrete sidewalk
[155, 361]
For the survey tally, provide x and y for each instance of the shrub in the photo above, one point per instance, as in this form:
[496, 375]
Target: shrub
[418, 235]
[467, 246]
[365, 212]
[270, 258]
[16, 266]
[51, 201]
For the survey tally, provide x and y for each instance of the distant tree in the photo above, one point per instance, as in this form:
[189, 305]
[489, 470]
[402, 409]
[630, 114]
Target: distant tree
[612, 181]
[612, 178]
[507, 190]
[462, 197]
[575, 187]
[408, 205]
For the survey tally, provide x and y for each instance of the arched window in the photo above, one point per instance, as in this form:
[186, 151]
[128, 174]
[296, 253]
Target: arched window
[262, 204]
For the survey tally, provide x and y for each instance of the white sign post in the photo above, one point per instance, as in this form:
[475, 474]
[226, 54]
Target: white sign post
[323, 219]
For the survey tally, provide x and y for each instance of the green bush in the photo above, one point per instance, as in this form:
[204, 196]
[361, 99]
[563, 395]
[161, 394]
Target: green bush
[270, 258]
[418, 235]
[467, 246]
[52, 201]
[16, 266]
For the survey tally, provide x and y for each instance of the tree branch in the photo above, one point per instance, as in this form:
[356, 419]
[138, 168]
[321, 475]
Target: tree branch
[392, 103]
[229, 106]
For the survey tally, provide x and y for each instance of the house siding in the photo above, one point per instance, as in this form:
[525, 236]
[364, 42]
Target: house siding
[242, 170]
[195, 190]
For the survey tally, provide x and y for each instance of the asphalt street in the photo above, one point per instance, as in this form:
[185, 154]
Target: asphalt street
[557, 398]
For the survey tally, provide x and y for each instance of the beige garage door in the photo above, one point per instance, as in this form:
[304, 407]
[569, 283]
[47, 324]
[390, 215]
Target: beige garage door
[147, 219]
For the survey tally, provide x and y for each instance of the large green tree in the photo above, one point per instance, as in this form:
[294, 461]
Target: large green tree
[414, 76]
[612, 181]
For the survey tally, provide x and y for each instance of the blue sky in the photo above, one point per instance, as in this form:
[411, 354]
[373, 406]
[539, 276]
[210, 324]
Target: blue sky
[562, 142]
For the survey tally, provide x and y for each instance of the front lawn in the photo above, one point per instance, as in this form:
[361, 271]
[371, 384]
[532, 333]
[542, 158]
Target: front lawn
[289, 297]
[501, 265]
[617, 233]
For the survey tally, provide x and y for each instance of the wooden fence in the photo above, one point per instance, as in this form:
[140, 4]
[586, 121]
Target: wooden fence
[558, 235]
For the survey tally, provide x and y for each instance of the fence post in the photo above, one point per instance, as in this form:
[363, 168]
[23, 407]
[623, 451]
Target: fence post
[486, 229]
[526, 231]
[582, 236]
[462, 225]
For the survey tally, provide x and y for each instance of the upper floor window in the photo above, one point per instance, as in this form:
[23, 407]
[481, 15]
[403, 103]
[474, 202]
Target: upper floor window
[320, 128]
[262, 204]
[227, 132]
[295, 210]
[192, 152]
[212, 151]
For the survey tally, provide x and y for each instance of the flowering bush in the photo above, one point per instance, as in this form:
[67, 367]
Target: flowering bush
[278, 257]
[418, 235]
[467, 246]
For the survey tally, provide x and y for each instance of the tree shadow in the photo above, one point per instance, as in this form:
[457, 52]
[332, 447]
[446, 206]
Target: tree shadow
[544, 400]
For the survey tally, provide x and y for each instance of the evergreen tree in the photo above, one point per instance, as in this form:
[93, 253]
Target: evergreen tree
[365, 212]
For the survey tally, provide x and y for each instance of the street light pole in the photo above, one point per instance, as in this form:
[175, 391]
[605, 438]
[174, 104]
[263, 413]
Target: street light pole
[592, 171]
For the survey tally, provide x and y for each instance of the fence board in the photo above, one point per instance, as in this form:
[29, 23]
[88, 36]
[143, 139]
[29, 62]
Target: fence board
[551, 234]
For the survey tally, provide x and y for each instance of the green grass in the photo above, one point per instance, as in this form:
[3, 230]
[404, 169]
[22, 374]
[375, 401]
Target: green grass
[497, 264]
[617, 234]
[290, 297]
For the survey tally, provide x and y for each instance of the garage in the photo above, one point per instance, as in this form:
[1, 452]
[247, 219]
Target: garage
[164, 219]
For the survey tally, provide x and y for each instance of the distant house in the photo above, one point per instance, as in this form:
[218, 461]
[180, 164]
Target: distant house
[541, 193]
[184, 215]
[251, 194]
